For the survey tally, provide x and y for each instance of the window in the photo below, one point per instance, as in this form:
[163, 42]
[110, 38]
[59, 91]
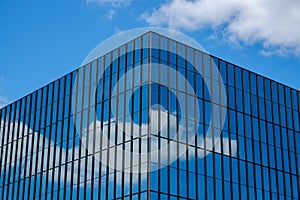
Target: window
[238, 78]
[230, 69]
[207, 65]
[223, 71]
[253, 83]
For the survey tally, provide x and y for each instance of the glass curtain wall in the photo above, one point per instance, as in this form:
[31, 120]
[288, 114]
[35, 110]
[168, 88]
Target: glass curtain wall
[52, 140]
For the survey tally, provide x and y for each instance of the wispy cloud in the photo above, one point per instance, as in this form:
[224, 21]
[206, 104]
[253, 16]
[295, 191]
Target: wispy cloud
[3, 101]
[111, 14]
[274, 24]
[114, 3]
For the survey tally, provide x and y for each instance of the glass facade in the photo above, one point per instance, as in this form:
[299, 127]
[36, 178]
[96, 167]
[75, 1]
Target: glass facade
[63, 140]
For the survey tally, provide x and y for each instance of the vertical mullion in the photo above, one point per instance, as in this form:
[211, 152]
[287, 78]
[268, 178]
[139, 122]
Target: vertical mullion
[80, 113]
[101, 134]
[131, 123]
[275, 138]
[222, 155]
[168, 116]
[177, 123]
[44, 140]
[70, 103]
[252, 139]
[30, 143]
[260, 142]
[2, 159]
[38, 144]
[295, 145]
[109, 124]
[140, 115]
[5, 184]
[27, 144]
[196, 125]
[34, 109]
[101, 126]
[159, 65]
[17, 146]
[13, 109]
[124, 118]
[269, 146]
[267, 136]
[94, 132]
[55, 139]
[236, 134]
[281, 142]
[8, 115]
[213, 104]
[116, 123]
[288, 140]
[75, 77]
[205, 126]
[186, 123]
[1, 144]
[149, 114]
[229, 136]
[244, 138]
[60, 167]
[49, 139]
[88, 127]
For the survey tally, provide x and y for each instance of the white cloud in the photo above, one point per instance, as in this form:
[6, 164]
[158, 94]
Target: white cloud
[111, 14]
[272, 23]
[114, 3]
[3, 101]
[38, 157]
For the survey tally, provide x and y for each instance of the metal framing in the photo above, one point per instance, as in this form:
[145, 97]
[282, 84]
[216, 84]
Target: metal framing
[40, 127]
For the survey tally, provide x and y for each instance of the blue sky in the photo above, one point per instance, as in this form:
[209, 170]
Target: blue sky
[41, 41]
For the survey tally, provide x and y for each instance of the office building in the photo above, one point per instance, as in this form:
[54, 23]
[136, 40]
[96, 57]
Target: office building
[153, 119]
